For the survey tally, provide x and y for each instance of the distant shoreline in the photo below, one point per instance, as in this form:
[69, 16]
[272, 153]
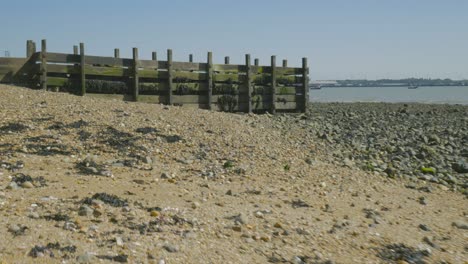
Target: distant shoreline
[386, 86]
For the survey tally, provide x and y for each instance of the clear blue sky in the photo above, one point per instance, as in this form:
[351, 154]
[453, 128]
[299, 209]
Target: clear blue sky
[342, 39]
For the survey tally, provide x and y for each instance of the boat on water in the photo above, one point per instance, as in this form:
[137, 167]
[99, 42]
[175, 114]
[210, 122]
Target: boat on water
[413, 87]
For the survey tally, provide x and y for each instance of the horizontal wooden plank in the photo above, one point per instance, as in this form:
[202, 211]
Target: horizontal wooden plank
[179, 88]
[9, 69]
[289, 71]
[220, 77]
[228, 68]
[289, 80]
[261, 69]
[52, 57]
[57, 81]
[189, 76]
[12, 62]
[189, 66]
[89, 70]
[108, 61]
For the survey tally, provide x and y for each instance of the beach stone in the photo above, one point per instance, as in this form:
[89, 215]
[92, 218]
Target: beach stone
[85, 211]
[171, 248]
[85, 258]
[119, 241]
[27, 185]
[460, 167]
[13, 186]
[460, 224]
[34, 215]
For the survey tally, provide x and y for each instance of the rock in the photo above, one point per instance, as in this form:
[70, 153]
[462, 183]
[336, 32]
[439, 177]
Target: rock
[460, 224]
[195, 205]
[86, 258]
[424, 227]
[13, 186]
[241, 219]
[119, 241]
[27, 185]
[85, 211]
[237, 228]
[278, 225]
[147, 160]
[171, 248]
[14, 228]
[34, 215]
[460, 167]
[106, 173]
[70, 226]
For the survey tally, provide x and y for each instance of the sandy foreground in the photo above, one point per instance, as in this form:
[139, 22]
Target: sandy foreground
[91, 180]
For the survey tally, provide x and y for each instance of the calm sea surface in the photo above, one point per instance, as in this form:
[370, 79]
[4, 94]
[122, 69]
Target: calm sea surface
[430, 94]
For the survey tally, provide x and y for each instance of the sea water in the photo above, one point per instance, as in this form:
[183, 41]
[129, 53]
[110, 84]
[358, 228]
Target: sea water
[424, 94]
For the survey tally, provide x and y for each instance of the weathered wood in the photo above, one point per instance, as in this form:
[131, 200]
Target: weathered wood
[209, 70]
[135, 74]
[248, 82]
[190, 58]
[169, 77]
[288, 71]
[228, 68]
[29, 48]
[44, 64]
[116, 53]
[261, 69]
[13, 62]
[179, 88]
[89, 70]
[57, 81]
[256, 62]
[273, 84]
[305, 84]
[75, 50]
[83, 70]
[62, 58]
[188, 66]
[109, 61]
[285, 63]
[226, 60]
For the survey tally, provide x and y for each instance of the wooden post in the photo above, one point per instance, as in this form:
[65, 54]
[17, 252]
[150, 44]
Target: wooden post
[305, 84]
[82, 67]
[75, 50]
[29, 48]
[44, 64]
[34, 47]
[256, 62]
[170, 99]
[248, 69]
[226, 60]
[273, 84]
[285, 63]
[154, 57]
[190, 58]
[136, 83]
[210, 79]
[116, 53]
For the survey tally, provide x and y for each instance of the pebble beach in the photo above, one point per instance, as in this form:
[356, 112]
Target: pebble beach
[87, 180]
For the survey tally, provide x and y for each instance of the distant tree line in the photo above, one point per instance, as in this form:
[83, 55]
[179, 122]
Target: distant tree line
[401, 82]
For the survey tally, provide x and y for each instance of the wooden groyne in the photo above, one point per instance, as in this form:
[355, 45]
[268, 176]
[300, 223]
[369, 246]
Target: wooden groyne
[224, 87]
